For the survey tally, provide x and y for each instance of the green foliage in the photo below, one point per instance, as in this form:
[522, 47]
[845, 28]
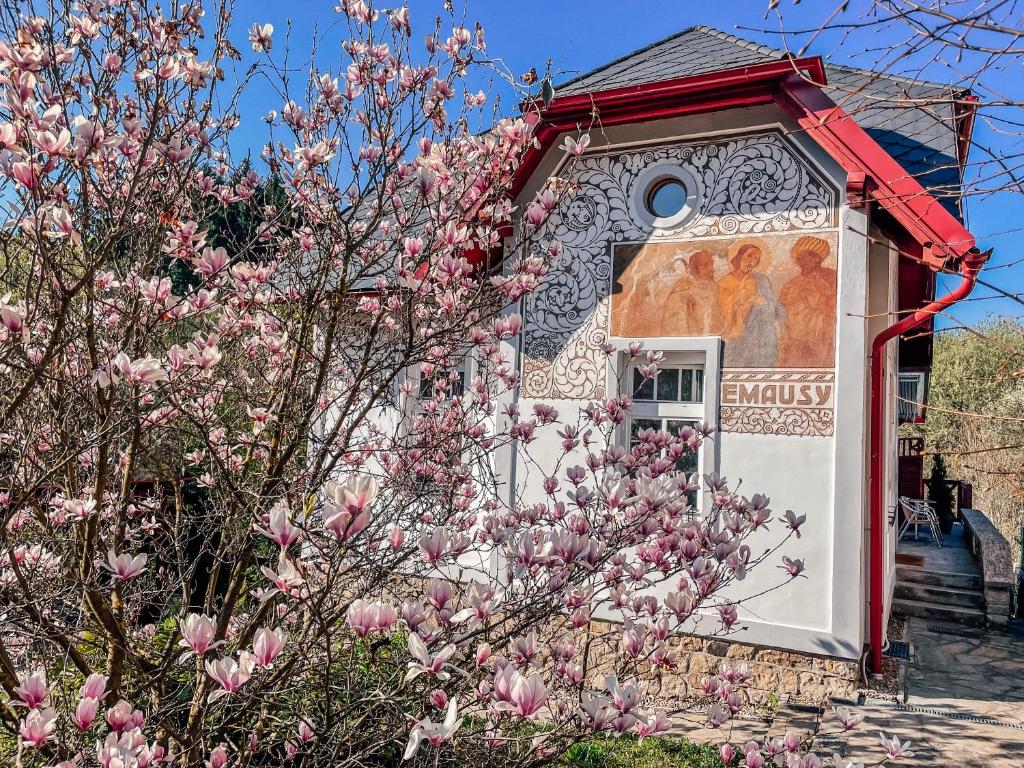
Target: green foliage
[976, 401]
[627, 752]
[940, 493]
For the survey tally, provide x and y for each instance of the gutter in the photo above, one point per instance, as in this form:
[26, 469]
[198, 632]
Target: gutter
[970, 265]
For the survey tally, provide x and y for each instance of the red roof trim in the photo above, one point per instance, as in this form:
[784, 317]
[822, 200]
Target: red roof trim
[924, 218]
[711, 92]
[784, 82]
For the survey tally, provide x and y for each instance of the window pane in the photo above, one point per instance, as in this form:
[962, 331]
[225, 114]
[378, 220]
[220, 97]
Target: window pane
[687, 462]
[687, 396]
[666, 198]
[642, 390]
[698, 375]
[636, 426]
[668, 384]
[426, 387]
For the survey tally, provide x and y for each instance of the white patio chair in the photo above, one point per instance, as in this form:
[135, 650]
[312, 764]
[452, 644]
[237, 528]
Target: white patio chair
[918, 512]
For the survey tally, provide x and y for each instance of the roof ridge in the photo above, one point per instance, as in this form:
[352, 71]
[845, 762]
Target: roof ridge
[750, 45]
[625, 56]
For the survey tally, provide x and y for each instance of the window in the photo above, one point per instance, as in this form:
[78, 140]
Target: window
[666, 198]
[683, 384]
[451, 384]
[911, 396]
[670, 401]
[689, 462]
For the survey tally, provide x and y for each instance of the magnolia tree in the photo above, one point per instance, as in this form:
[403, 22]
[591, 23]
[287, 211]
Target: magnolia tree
[251, 510]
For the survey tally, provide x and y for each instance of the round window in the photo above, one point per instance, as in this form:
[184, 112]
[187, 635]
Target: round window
[666, 198]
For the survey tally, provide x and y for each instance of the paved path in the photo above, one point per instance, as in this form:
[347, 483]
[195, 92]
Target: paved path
[964, 701]
[962, 705]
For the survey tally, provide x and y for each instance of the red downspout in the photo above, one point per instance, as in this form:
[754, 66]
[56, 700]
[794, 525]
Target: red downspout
[970, 264]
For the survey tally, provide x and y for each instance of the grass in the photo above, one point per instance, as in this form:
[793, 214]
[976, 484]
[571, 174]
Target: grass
[627, 752]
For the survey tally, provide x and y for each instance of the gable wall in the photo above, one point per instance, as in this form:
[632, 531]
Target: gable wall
[758, 182]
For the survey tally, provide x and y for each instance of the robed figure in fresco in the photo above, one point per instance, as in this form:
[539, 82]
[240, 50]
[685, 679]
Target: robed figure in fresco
[751, 315]
[809, 334]
[690, 304]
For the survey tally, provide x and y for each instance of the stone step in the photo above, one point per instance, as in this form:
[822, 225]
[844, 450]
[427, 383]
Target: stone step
[911, 575]
[925, 593]
[927, 610]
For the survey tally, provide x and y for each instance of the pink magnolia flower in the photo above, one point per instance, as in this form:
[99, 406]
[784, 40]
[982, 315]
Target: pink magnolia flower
[124, 566]
[121, 717]
[287, 577]
[793, 567]
[306, 732]
[433, 544]
[424, 662]
[894, 748]
[267, 646]
[85, 713]
[33, 690]
[848, 719]
[345, 510]
[624, 696]
[197, 632]
[576, 147]
[527, 694]
[95, 687]
[435, 733]
[261, 37]
[37, 727]
[793, 522]
[229, 674]
[218, 757]
[365, 617]
[279, 526]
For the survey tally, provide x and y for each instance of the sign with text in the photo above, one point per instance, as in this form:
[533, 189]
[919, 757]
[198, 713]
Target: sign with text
[778, 402]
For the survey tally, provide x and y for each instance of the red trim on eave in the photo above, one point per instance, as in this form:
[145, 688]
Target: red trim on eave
[924, 218]
[965, 129]
[710, 92]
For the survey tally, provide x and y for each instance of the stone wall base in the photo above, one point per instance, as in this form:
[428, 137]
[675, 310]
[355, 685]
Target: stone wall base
[775, 674]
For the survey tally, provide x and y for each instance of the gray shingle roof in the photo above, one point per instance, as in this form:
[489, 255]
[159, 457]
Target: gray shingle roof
[913, 120]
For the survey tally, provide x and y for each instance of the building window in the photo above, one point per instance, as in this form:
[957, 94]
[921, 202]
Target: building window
[666, 197]
[670, 401]
[912, 388]
[449, 384]
[674, 384]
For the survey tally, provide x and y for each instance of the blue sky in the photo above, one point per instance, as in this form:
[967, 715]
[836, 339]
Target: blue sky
[578, 35]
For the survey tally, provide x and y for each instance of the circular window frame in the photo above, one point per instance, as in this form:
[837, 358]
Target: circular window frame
[646, 185]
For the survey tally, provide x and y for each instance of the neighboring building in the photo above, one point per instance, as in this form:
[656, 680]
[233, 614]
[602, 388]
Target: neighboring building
[730, 215]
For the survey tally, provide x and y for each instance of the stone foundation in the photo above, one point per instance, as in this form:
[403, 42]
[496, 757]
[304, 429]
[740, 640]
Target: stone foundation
[775, 673]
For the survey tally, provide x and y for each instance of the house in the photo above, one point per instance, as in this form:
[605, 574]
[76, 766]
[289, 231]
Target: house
[772, 224]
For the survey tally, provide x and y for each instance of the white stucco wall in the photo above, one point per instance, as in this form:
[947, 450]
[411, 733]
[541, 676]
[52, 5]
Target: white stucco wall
[820, 476]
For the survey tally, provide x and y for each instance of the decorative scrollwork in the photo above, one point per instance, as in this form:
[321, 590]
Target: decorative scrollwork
[749, 184]
[777, 421]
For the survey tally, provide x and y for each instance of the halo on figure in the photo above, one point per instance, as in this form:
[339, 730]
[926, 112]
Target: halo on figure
[757, 242]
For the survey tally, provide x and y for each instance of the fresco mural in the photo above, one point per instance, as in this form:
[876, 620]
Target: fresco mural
[754, 185]
[772, 299]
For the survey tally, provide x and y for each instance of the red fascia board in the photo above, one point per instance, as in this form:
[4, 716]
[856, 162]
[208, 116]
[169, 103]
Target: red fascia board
[710, 92]
[965, 128]
[924, 218]
[629, 97]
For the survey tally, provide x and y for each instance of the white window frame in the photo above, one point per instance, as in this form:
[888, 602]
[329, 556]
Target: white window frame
[412, 375]
[693, 351]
